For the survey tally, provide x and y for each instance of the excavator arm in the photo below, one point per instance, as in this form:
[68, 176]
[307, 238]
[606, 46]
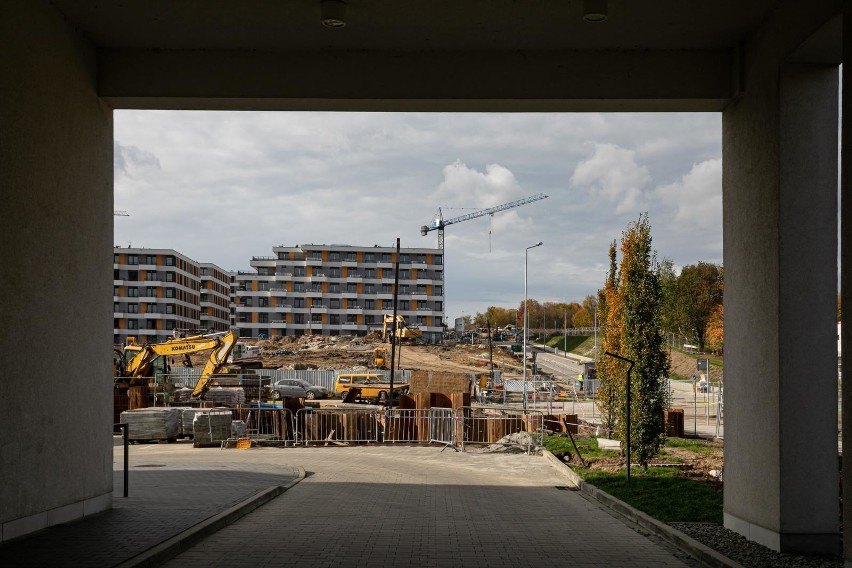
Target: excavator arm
[220, 344]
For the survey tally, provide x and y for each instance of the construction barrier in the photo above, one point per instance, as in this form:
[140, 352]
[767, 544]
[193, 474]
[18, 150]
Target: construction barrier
[338, 425]
[505, 426]
[418, 425]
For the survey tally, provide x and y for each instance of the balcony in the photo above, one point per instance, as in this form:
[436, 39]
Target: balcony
[349, 326]
[384, 265]
[319, 277]
[319, 309]
[314, 293]
[283, 308]
[354, 310]
[350, 263]
[424, 310]
[313, 261]
[419, 265]
[420, 280]
[278, 324]
[354, 278]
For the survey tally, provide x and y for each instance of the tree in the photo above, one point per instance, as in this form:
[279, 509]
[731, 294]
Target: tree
[631, 305]
[699, 292]
[716, 330]
[585, 316]
[670, 309]
[499, 317]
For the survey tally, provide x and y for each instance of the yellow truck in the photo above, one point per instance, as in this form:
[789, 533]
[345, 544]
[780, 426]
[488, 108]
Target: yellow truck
[370, 387]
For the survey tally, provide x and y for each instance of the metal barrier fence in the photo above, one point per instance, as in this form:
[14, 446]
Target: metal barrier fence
[330, 425]
[498, 425]
[418, 425]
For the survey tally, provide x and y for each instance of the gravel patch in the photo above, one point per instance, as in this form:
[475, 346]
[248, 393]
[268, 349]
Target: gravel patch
[751, 554]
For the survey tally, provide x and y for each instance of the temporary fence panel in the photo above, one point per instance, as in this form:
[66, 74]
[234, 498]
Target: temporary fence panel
[406, 425]
[442, 425]
[326, 425]
[499, 425]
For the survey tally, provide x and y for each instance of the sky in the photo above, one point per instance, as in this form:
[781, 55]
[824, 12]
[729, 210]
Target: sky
[222, 187]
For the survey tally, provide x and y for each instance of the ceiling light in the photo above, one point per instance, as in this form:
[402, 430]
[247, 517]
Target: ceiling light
[595, 10]
[333, 13]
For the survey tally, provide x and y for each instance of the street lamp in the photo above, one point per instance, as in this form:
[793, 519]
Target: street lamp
[526, 317]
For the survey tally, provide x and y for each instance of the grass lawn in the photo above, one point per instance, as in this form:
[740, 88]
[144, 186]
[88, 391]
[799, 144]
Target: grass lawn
[664, 493]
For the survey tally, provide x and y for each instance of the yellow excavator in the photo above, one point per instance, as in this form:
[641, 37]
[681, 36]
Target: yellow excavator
[404, 332]
[137, 363]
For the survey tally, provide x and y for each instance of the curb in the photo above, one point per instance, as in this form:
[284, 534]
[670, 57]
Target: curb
[168, 549]
[697, 550]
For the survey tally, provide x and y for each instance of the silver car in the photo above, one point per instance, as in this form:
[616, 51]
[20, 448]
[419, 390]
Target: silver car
[297, 388]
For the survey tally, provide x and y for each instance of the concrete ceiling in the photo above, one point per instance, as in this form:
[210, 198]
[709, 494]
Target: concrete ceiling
[415, 24]
[432, 55]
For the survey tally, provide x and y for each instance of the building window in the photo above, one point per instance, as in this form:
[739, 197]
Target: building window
[263, 318]
[404, 305]
[403, 289]
[263, 303]
[439, 306]
[170, 276]
[403, 259]
[132, 308]
[334, 257]
[352, 288]
[350, 256]
[421, 320]
[151, 260]
[437, 290]
[150, 308]
[132, 259]
[298, 302]
[437, 259]
[132, 324]
[116, 259]
[386, 257]
[369, 288]
[133, 292]
[387, 289]
[334, 319]
[298, 286]
[298, 318]
[404, 274]
[368, 320]
[369, 257]
[170, 261]
[369, 273]
[421, 259]
[150, 275]
[421, 288]
[315, 255]
[334, 304]
[263, 286]
[116, 291]
[334, 287]
[334, 272]
[370, 304]
[170, 292]
[152, 324]
[298, 271]
[316, 318]
[151, 292]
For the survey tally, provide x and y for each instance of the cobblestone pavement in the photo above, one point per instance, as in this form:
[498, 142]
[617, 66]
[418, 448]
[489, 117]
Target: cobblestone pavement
[357, 506]
[415, 506]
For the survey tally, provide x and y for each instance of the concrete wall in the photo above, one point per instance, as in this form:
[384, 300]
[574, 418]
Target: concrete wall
[55, 274]
[780, 210]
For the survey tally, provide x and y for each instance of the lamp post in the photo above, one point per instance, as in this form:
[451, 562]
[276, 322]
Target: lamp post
[526, 318]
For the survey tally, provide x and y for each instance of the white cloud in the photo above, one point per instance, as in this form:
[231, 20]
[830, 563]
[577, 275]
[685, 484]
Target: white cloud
[613, 173]
[697, 196]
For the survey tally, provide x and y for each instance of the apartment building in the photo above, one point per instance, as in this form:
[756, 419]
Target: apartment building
[215, 297]
[156, 291]
[339, 290]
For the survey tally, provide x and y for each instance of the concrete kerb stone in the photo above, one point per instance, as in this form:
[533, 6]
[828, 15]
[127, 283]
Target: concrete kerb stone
[697, 550]
[170, 548]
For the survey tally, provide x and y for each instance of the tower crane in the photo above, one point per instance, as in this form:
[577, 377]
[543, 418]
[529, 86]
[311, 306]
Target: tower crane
[438, 223]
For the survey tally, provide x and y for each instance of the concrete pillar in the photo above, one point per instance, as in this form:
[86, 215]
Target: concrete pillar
[846, 275]
[55, 274]
[780, 235]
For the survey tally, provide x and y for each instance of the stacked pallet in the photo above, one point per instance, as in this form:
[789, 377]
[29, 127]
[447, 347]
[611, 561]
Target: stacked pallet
[152, 423]
[226, 396]
[211, 428]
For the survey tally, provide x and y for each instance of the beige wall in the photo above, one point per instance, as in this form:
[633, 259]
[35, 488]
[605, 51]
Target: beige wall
[55, 274]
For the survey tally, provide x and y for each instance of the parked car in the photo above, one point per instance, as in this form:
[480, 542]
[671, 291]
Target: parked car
[297, 388]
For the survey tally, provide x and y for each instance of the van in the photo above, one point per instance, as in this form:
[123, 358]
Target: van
[346, 381]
